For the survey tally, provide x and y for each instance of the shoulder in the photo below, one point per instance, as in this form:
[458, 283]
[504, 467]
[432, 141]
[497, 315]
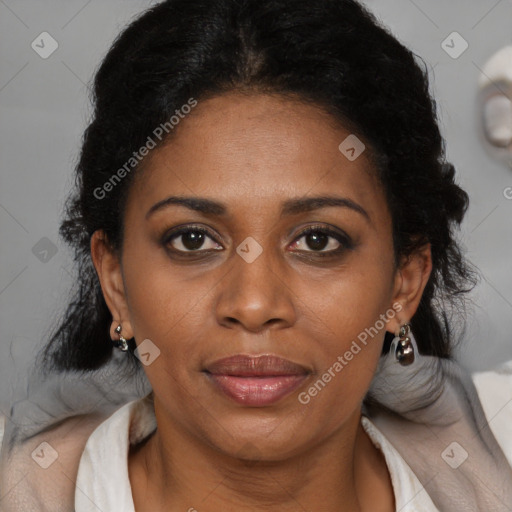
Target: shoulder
[494, 388]
[33, 470]
[106, 454]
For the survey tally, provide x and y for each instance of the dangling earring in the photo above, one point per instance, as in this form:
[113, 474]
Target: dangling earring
[404, 352]
[122, 344]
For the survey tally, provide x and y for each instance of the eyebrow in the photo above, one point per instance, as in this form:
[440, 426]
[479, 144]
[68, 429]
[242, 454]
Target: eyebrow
[289, 207]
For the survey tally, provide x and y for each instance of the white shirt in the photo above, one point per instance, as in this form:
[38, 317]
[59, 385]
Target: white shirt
[103, 483]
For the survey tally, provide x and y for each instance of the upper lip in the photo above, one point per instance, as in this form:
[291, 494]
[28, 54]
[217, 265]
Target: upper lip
[254, 366]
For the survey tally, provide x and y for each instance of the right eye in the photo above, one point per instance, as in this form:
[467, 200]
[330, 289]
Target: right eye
[190, 239]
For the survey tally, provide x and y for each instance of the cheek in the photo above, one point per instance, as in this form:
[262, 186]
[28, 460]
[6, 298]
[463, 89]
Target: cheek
[159, 294]
[347, 353]
[347, 318]
[163, 306]
[345, 303]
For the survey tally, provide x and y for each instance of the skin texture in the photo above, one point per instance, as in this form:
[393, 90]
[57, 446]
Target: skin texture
[252, 152]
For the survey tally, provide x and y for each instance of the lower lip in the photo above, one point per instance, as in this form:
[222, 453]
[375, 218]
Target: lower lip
[257, 391]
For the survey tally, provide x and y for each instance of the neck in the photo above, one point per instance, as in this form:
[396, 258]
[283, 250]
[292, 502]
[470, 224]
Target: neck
[175, 471]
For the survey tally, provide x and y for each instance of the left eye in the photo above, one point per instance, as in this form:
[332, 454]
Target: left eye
[321, 240]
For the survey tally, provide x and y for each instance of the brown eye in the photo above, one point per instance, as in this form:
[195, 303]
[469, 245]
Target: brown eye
[322, 240]
[190, 239]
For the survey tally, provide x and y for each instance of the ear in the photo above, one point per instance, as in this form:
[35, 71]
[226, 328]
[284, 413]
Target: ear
[410, 280]
[108, 267]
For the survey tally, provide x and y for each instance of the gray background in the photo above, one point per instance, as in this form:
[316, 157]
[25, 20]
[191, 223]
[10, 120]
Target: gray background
[45, 107]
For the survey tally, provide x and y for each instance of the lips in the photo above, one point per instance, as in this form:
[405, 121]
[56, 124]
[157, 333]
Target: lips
[255, 366]
[256, 380]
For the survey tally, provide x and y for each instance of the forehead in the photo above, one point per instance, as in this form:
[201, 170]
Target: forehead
[257, 150]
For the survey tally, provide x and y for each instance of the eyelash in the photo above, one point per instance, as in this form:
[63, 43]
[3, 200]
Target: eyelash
[343, 239]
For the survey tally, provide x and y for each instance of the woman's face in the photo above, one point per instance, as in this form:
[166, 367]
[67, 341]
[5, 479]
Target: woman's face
[252, 284]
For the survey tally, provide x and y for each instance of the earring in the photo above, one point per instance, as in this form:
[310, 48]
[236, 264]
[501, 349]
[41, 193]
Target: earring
[404, 352]
[122, 344]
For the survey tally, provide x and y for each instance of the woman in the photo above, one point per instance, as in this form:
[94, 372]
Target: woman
[264, 225]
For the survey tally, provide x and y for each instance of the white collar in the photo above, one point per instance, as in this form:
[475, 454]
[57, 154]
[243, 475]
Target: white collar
[103, 482]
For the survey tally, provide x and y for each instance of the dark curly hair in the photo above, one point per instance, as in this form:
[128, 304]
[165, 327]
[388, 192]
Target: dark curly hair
[330, 53]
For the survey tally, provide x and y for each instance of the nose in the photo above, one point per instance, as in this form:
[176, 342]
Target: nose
[256, 296]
